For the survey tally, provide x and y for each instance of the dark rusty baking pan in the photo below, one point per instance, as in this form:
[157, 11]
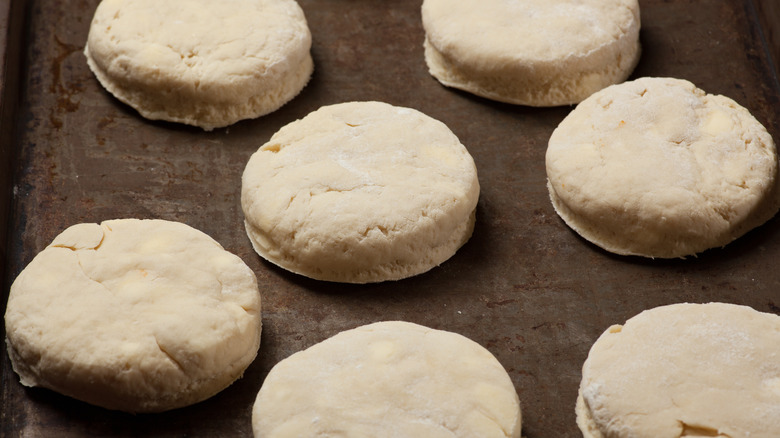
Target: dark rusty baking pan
[525, 286]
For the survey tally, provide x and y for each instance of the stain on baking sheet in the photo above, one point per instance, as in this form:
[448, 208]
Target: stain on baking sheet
[60, 86]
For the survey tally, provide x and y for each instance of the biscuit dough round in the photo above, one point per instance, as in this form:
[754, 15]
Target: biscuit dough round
[201, 62]
[360, 192]
[705, 370]
[658, 168]
[531, 52]
[389, 379]
[133, 315]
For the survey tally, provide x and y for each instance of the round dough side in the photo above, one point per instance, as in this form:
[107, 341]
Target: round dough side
[201, 63]
[389, 379]
[360, 192]
[684, 370]
[537, 52]
[140, 316]
[658, 168]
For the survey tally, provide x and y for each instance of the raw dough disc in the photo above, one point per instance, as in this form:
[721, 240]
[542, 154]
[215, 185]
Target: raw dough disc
[696, 370]
[531, 52]
[133, 315]
[360, 192]
[385, 380]
[201, 62]
[658, 168]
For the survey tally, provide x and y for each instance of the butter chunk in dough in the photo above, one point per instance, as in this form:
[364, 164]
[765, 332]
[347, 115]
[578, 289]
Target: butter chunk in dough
[658, 168]
[531, 52]
[706, 370]
[360, 192]
[204, 63]
[133, 315]
[385, 380]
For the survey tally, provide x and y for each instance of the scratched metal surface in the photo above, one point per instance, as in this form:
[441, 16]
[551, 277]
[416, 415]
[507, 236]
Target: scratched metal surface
[525, 286]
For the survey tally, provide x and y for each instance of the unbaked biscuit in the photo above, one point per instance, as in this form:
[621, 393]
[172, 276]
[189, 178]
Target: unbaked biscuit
[704, 370]
[360, 192]
[531, 52]
[133, 315]
[658, 168]
[200, 62]
[385, 380]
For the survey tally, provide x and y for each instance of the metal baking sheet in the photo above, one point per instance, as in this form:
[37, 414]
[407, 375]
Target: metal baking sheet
[525, 286]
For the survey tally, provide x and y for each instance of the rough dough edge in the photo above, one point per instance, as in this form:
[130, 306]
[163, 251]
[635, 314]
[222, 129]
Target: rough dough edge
[585, 420]
[441, 254]
[139, 100]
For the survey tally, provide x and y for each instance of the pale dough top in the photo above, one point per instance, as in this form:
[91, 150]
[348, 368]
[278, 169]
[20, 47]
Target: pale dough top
[385, 380]
[209, 42]
[659, 168]
[686, 370]
[133, 315]
[499, 31]
[360, 191]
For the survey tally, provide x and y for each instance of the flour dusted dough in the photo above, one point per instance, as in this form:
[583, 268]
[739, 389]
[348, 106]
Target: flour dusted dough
[385, 380]
[531, 52]
[133, 315]
[201, 62]
[658, 168]
[360, 192]
[684, 370]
